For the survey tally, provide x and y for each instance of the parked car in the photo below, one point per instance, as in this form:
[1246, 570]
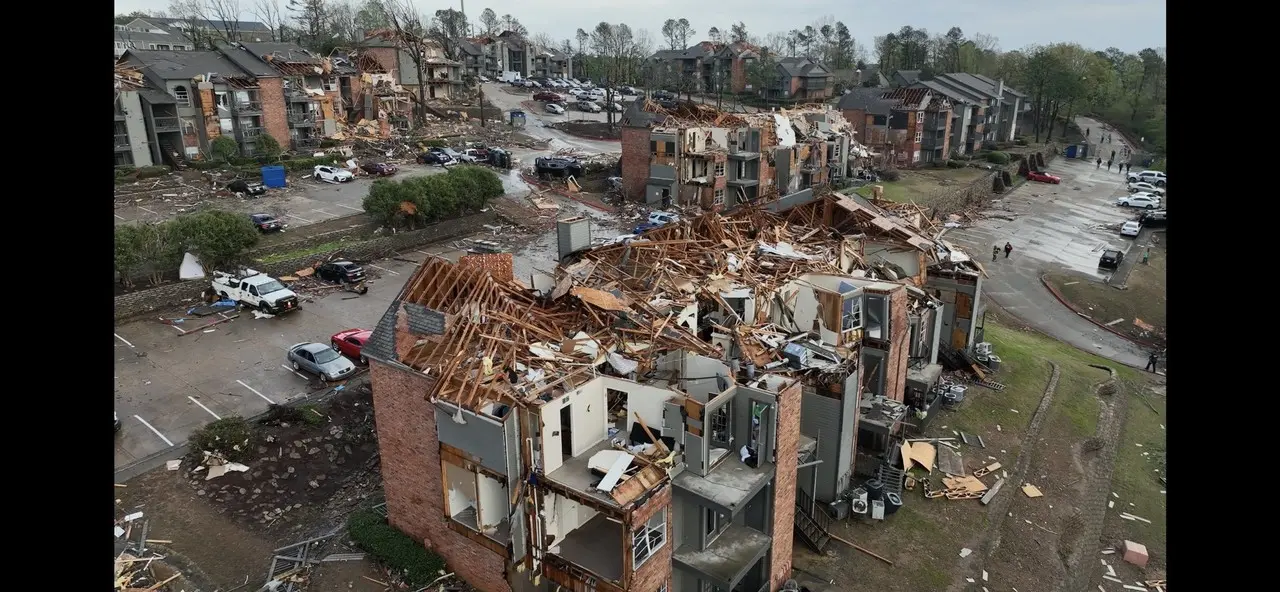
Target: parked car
[596, 94]
[1142, 186]
[1139, 201]
[380, 169]
[1110, 259]
[589, 106]
[1157, 178]
[577, 92]
[628, 91]
[484, 78]
[450, 152]
[658, 95]
[548, 96]
[644, 227]
[465, 158]
[255, 290]
[668, 103]
[340, 271]
[1043, 177]
[351, 342]
[321, 360]
[1155, 218]
[1130, 228]
[554, 109]
[430, 157]
[266, 223]
[249, 188]
[557, 167]
[661, 218]
[332, 174]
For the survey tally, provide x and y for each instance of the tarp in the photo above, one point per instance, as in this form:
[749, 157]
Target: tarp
[190, 268]
[782, 127]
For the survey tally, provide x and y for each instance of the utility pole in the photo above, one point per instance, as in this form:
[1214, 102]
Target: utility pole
[480, 85]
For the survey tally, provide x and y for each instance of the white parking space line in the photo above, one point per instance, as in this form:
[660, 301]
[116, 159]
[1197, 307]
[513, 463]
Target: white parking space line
[255, 391]
[383, 269]
[298, 217]
[323, 212]
[149, 211]
[295, 372]
[121, 217]
[193, 400]
[154, 430]
[126, 341]
[349, 207]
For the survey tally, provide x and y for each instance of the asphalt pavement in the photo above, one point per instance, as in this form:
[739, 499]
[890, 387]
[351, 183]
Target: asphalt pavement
[1054, 228]
[536, 122]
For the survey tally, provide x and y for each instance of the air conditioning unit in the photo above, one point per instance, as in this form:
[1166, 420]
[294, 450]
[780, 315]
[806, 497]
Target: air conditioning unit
[982, 349]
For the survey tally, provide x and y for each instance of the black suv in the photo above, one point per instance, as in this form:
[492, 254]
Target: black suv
[340, 271]
[1111, 259]
[1154, 218]
[249, 188]
[266, 223]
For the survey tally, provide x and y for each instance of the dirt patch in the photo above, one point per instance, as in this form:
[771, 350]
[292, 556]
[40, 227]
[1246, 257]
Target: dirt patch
[1143, 297]
[304, 457]
[590, 130]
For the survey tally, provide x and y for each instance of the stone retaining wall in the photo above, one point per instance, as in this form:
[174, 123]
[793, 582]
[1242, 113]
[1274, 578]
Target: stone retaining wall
[363, 226]
[141, 301]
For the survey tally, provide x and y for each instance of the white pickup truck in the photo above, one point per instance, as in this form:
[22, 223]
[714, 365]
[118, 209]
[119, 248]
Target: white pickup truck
[255, 290]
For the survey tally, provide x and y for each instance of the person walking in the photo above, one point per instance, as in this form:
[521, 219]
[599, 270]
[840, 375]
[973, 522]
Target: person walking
[995, 252]
[1152, 358]
[1008, 248]
[1086, 132]
[1108, 166]
[1099, 163]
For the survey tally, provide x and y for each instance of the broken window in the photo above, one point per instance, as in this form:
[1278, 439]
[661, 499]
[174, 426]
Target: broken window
[648, 539]
[877, 316]
[719, 169]
[722, 426]
[742, 169]
[718, 196]
[181, 95]
[474, 499]
[225, 126]
[331, 83]
[851, 314]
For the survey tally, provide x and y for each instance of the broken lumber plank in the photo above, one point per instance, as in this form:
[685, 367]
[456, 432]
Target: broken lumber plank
[991, 493]
[859, 548]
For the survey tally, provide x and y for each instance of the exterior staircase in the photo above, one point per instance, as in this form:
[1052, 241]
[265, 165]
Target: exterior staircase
[812, 523]
[169, 155]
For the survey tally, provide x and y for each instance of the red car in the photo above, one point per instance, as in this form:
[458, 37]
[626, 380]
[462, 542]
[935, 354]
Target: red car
[1043, 177]
[350, 342]
[380, 169]
[548, 96]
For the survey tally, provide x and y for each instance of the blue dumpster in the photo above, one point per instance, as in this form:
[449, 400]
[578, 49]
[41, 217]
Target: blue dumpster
[1071, 151]
[273, 176]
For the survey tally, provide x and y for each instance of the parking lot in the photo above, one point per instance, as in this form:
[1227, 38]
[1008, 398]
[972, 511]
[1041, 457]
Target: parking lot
[1054, 228]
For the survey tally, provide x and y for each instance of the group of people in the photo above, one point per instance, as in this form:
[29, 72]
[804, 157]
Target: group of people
[995, 251]
[1104, 139]
[1121, 168]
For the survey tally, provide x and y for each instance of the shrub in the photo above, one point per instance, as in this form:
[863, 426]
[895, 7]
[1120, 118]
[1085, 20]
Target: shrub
[1020, 141]
[151, 172]
[125, 171]
[151, 243]
[231, 437]
[998, 157]
[956, 164]
[223, 148]
[394, 548]
[269, 147]
[218, 237]
[418, 201]
[891, 175]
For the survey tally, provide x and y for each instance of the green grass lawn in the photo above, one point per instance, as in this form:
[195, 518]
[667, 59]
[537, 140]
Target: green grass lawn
[1135, 479]
[920, 186]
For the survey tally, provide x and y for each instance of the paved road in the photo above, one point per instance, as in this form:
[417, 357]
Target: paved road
[536, 123]
[1054, 228]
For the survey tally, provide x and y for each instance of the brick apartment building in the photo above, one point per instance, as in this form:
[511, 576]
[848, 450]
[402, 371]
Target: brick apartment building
[685, 157]
[702, 67]
[535, 448]
[905, 126]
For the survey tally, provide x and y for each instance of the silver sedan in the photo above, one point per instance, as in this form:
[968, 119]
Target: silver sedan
[321, 360]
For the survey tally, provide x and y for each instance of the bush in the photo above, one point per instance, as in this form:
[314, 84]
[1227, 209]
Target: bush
[216, 236]
[1020, 141]
[418, 201]
[394, 548]
[269, 147]
[891, 175]
[231, 437]
[151, 172]
[153, 243]
[956, 164]
[125, 171]
[998, 157]
[223, 148]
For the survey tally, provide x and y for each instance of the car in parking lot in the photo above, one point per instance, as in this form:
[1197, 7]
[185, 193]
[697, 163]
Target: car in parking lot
[577, 92]
[1154, 218]
[380, 169]
[1139, 200]
[668, 103]
[1144, 187]
[1110, 259]
[430, 157]
[117, 414]
[332, 174]
[484, 78]
[1130, 228]
[554, 108]
[1157, 178]
[351, 342]
[1043, 177]
[266, 223]
[321, 360]
[589, 106]
[659, 95]
[644, 227]
[661, 218]
[340, 271]
[614, 107]
[548, 96]
[249, 188]
[628, 90]
[450, 152]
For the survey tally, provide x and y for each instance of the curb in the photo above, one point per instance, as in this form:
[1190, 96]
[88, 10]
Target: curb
[536, 183]
[177, 451]
[1063, 300]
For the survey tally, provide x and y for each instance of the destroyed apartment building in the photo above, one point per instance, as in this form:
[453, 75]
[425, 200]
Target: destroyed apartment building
[392, 75]
[695, 155]
[664, 413]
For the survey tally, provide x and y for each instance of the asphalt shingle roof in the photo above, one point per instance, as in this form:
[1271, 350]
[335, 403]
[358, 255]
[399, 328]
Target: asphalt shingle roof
[382, 342]
[248, 61]
[866, 99]
[423, 320]
[182, 65]
[951, 91]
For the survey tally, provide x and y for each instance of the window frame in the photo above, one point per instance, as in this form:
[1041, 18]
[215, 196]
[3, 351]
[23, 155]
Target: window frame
[642, 540]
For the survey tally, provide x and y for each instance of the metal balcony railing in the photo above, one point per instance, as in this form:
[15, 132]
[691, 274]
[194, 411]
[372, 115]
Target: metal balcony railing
[250, 133]
[167, 124]
[122, 141]
[249, 107]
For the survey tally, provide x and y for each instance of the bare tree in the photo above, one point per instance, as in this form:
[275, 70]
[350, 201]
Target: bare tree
[342, 16]
[489, 19]
[410, 35]
[370, 17]
[619, 58]
[543, 41]
[226, 16]
[268, 11]
[313, 19]
[208, 21]
[511, 23]
[582, 38]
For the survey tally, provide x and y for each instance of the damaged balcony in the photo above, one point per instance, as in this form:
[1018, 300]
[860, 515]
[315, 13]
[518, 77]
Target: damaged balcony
[166, 124]
[248, 108]
[733, 561]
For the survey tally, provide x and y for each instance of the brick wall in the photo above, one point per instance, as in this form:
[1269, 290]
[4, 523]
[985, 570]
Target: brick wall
[657, 569]
[635, 162]
[209, 110]
[274, 117]
[737, 75]
[141, 301]
[895, 379]
[411, 479]
[784, 491]
[387, 57]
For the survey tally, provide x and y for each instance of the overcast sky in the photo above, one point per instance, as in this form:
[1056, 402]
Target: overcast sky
[1130, 25]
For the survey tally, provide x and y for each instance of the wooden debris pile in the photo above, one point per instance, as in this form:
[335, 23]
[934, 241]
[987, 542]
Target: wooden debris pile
[143, 574]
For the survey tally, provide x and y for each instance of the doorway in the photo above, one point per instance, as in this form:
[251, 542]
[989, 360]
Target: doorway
[566, 433]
